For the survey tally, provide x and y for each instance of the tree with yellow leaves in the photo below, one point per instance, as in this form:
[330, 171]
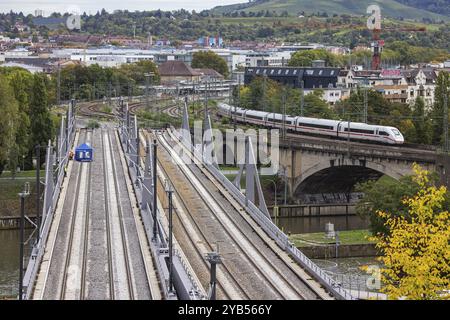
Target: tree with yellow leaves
[416, 252]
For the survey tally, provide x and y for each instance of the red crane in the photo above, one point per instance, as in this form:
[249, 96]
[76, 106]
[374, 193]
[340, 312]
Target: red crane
[378, 44]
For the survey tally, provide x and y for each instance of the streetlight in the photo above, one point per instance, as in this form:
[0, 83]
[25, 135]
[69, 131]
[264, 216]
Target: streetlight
[25, 193]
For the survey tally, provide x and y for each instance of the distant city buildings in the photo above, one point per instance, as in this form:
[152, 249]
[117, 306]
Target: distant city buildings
[38, 54]
[212, 42]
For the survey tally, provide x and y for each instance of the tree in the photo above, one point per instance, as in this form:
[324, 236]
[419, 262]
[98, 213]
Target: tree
[315, 106]
[137, 71]
[442, 89]
[41, 123]
[8, 123]
[385, 194]
[416, 252]
[422, 130]
[20, 82]
[211, 60]
[306, 57]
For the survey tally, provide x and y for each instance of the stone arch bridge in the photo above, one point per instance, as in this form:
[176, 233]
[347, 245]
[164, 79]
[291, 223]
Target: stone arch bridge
[314, 165]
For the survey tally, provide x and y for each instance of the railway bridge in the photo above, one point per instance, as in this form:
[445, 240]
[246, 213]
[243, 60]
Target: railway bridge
[316, 165]
[108, 231]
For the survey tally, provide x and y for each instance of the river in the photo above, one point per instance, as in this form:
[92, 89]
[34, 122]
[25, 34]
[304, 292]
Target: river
[317, 224]
[9, 261]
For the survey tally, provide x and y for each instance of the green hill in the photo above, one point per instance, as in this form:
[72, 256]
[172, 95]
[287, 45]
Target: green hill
[389, 8]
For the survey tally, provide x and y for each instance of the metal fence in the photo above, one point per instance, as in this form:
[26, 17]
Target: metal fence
[271, 229]
[57, 159]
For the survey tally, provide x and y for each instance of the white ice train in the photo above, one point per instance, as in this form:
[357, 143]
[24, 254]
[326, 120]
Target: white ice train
[314, 126]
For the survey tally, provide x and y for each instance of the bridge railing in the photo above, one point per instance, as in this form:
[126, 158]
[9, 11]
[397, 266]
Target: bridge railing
[55, 163]
[269, 227]
[188, 287]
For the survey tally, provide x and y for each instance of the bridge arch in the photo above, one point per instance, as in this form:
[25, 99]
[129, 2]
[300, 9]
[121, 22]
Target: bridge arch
[340, 175]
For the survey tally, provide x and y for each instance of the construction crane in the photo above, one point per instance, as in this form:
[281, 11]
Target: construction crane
[85, 49]
[374, 24]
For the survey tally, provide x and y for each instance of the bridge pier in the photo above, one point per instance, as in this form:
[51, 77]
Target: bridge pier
[443, 168]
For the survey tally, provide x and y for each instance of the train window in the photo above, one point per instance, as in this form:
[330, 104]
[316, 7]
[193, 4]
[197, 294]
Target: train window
[277, 120]
[319, 126]
[383, 133]
[360, 131]
[396, 132]
[253, 117]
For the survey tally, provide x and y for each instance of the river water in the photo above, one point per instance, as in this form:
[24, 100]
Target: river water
[317, 224]
[9, 261]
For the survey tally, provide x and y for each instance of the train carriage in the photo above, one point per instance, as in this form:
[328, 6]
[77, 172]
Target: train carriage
[322, 127]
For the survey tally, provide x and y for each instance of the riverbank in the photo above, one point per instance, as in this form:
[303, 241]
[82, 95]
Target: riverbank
[9, 199]
[352, 243]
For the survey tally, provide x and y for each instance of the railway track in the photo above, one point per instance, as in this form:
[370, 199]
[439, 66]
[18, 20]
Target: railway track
[97, 252]
[186, 221]
[117, 246]
[79, 218]
[276, 284]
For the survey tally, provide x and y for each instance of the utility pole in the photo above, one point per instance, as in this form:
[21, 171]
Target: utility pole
[38, 190]
[446, 146]
[169, 191]
[214, 260]
[155, 188]
[58, 94]
[284, 113]
[148, 78]
[264, 92]
[348, 135]
[366, 101]
[206, 96]
[147, 103]
[22, 195]
[237, 104]
[302, 98]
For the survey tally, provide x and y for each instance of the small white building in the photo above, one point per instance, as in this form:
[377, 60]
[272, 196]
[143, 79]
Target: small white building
[109, 60]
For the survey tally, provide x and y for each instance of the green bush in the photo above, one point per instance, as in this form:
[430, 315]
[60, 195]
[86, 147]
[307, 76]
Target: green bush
[92, 124]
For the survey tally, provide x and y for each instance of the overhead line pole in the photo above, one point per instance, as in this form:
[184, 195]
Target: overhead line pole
[445, 119]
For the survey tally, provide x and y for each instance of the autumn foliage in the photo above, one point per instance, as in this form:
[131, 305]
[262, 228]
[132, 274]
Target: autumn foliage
[416, 252]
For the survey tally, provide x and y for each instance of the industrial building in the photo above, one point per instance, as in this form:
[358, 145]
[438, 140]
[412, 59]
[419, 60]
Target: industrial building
[308, 78]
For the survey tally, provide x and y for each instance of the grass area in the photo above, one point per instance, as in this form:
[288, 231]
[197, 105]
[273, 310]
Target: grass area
[345, 237]
[149, 118]
[22, 174]
[9, 199]
[106, 109]
[228, 168]
[10, 188]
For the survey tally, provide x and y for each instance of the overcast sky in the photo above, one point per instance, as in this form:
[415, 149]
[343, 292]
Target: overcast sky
[92, 6]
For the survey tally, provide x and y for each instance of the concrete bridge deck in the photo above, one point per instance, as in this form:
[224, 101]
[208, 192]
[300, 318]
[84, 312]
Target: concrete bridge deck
[95, 249]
